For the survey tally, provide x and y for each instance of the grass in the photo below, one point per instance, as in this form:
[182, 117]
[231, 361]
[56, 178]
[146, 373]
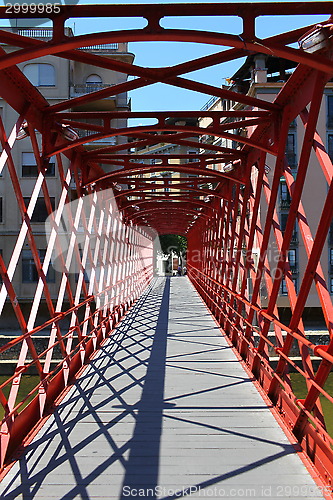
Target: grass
[28, 382]
[299, 388]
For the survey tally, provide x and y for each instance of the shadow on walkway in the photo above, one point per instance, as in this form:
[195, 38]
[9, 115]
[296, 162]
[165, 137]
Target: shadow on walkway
[104, 439]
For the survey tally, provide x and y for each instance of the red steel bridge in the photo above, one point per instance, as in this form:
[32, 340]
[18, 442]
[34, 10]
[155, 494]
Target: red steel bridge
[224, 200]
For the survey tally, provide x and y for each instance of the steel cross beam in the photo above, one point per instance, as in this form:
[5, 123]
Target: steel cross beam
[221, 198]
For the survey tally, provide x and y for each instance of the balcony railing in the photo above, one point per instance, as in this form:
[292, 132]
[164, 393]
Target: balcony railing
[285, 203]
[111, 141]
[47, 34]
[102, 48]
[40, 33]
[293, 268]
[88, 88]
[294, 237]
[330, 237]
[291, 159]
[209, 103]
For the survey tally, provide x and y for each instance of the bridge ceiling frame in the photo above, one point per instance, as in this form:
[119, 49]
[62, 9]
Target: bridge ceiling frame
[241, 44]
[223, 198]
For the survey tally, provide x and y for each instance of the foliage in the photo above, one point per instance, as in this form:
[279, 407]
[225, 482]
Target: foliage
[173, 242]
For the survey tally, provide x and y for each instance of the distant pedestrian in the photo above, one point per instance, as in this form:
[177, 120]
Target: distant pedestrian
[179, 270]
[184, 271]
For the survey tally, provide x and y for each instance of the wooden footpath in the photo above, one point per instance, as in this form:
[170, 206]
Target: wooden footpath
[165, 410]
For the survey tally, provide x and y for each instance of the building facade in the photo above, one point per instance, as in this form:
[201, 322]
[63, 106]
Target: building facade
[56, 79]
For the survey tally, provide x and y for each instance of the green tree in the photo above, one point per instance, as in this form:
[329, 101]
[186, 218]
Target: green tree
[173, 242]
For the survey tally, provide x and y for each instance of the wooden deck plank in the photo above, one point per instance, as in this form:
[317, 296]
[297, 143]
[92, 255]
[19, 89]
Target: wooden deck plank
[164, 410]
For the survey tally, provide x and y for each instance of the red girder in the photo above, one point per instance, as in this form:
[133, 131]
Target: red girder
[183, 168]
[140, 130]
[230, 218]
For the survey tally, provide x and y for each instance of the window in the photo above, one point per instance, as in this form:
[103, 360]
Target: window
[29, 270]
[1, 116]
[40, 212]
[292, 258]
[94, 79]
[85, 277]
[29, 167]
[283, 221]
[331, 285]
[234, 144]
[166, 175]
[284, 194]
[40, 74]
[85, 274]
[291, 151]
[284, 290]
[0, 274]
[283, 224]
[330, 235]
[331, 260]
[284, 191]
[152, 174]
[94, 83]
[192, 159]
[330, 146]
[330, 111]
[331, 256]
[1, 212]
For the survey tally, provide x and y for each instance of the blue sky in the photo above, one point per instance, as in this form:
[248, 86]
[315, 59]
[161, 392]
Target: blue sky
[156, 54]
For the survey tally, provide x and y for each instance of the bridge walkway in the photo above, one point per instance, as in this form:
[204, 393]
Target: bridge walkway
[164, 410]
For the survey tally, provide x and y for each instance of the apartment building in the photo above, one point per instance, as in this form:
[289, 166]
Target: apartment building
[166, 148]
[263, 76]
[57, 79]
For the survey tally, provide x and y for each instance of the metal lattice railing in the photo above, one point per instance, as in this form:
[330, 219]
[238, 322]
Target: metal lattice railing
[238, 261]
[100, 266]
[60, 297]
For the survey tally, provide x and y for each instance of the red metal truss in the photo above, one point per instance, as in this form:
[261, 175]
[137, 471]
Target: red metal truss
[117, 195]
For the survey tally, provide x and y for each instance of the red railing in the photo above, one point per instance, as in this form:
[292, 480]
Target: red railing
[74, 312]
[238, 261]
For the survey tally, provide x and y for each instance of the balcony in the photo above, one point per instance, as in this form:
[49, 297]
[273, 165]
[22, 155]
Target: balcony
[109, 103]
[38, 33]
[120, 100]
[88, 88]
[285, 204]
[293, 268]
[47, 34]
[106, 48]
[209, 103]
[107, 141]
[294, 238]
